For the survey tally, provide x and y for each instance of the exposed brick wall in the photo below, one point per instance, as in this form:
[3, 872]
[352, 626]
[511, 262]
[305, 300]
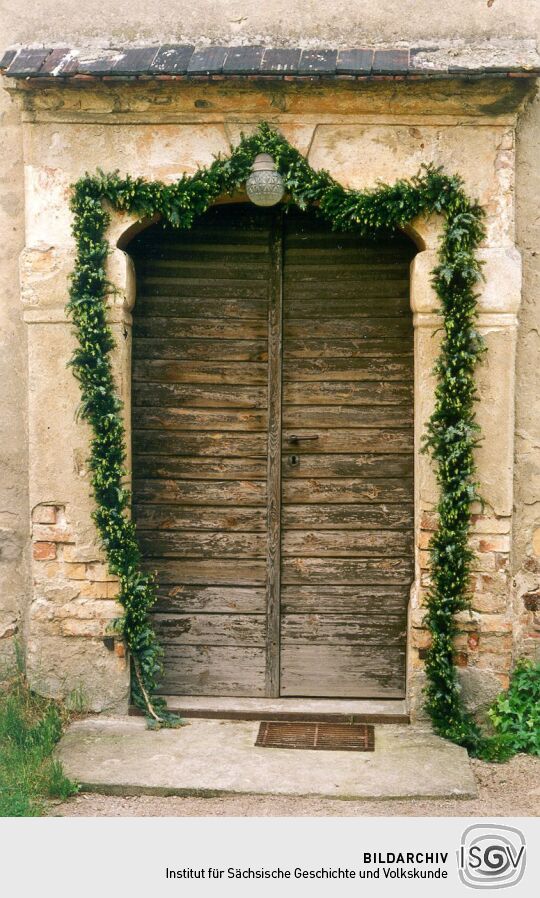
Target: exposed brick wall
[485, 638]
[73, 597]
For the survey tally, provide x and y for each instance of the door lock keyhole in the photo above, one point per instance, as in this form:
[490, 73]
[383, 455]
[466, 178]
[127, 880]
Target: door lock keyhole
[294, 460]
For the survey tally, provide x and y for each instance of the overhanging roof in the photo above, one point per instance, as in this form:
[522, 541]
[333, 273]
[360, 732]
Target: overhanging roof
[181, 61]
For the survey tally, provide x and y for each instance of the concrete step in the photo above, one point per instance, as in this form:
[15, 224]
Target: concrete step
[321, 709]
[120, 756]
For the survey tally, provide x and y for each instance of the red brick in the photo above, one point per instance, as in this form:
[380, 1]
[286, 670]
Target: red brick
[428, 520]
[495, 543]
[44, 514]
[52, 534]
[44, 551]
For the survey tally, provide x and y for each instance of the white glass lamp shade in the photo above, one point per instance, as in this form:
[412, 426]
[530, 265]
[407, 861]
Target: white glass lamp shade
[265, 185]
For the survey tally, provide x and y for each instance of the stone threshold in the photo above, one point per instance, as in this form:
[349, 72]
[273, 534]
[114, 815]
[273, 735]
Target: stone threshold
[321, 709]
[121, 756]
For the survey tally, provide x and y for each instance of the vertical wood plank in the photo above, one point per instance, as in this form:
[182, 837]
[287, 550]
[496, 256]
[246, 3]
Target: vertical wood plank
[273, 568]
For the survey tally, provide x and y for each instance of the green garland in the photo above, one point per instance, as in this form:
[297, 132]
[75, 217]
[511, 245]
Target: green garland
[452, 432]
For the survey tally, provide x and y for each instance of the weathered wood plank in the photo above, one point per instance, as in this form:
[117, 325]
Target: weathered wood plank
[240, 267]
[346, 489]
[209, 234]
[202, 351]
[342, 629]
[347, 416]
[214, 670]
[209, 572]
[364, 368]
[201, 492]
[196, 419]
[346, 543]
[347, 441]
[181, 598]
[302, 254]
[327, 244]
[206, 328]
[185, 468]
[199, 395]
[207, 443]
[349, 671]
[359, 328]
[301, 225]
[324, 571]
[203, 517]
[208, 249]
[181, 307]
[326, 270]
[211, 629]
[348, 393]
[334, 299]
[201, 291]
[222, 228]
[201, 544]
[353, 517]
[190, 372]
[319, 348]
[345, 465]
[373, 599]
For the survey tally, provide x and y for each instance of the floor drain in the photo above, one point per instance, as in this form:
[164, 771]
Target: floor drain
[318, 736]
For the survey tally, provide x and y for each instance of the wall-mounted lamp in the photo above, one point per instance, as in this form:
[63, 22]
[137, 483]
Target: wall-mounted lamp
[265, 185]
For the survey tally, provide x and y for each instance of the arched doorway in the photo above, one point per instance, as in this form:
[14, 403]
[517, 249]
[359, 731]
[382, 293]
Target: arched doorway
[272, 424]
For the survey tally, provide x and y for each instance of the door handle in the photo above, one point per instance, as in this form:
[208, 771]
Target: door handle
[297, 439]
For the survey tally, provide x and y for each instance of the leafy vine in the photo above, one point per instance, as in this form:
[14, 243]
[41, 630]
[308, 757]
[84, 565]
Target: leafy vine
[452, 432]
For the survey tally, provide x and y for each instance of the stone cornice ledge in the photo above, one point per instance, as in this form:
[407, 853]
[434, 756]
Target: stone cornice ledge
[38, 65]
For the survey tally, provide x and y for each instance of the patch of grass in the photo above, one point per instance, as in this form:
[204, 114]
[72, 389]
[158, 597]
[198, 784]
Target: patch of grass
[30, 727]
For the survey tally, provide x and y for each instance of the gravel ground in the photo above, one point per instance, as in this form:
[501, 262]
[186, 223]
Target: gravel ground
[505, 790]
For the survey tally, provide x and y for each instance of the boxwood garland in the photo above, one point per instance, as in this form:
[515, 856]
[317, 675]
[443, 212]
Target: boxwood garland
[452, 432]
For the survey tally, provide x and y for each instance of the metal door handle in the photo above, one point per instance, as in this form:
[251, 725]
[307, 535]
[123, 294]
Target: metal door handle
[297, 439]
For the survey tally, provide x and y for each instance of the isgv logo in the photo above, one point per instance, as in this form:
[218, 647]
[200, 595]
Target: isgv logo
[491, 856]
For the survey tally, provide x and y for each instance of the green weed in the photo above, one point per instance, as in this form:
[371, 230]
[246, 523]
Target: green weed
[515, 714]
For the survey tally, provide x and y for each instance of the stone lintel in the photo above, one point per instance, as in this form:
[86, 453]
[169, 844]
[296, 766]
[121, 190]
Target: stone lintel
[491, 98]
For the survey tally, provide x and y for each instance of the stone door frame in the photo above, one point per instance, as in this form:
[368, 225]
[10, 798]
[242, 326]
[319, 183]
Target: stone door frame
[73, 599]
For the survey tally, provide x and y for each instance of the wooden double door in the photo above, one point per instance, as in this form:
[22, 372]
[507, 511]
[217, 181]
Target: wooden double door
[273, 453]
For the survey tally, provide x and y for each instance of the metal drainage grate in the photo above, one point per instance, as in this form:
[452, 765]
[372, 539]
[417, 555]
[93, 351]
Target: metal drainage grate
[318, 736]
